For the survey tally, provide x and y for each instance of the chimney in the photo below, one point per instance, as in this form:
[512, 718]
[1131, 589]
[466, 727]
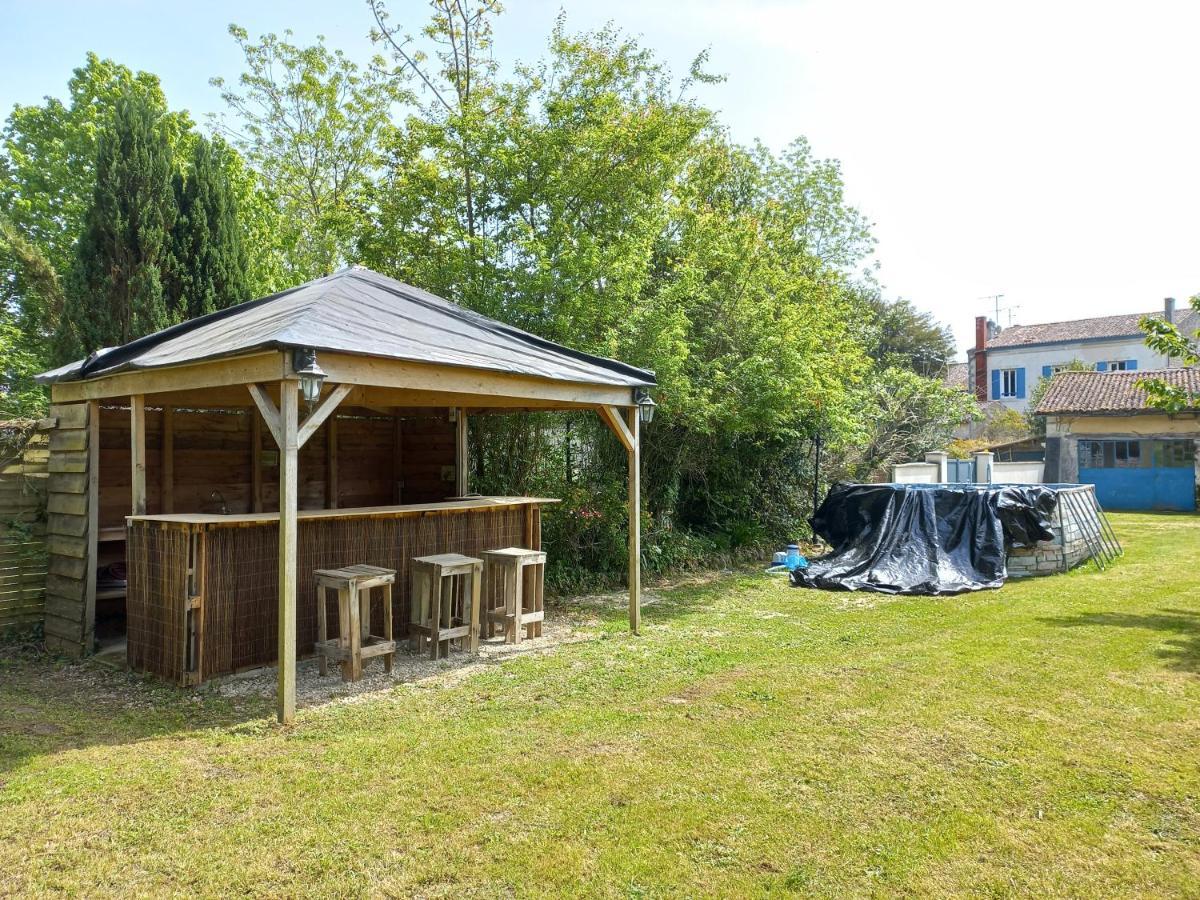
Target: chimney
[1169, 310]
[979, 357]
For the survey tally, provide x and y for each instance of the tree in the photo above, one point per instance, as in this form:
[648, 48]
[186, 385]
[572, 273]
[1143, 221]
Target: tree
[208, 264]
[309, 121]
[47, 177]
[909, 338]
[115, 292]
[1036, 423]
[905, 415]
[1166, 338]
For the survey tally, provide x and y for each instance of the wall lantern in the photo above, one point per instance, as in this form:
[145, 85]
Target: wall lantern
[646, 406]
[311, 375]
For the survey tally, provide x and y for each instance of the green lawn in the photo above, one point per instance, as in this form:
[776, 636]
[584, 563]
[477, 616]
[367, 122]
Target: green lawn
[756, 739]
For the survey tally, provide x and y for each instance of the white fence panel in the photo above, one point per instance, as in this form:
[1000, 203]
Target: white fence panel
[915, 473]
[1018, 472]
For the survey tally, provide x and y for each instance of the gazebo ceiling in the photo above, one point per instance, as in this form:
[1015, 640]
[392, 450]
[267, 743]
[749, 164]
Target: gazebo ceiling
[358, 312]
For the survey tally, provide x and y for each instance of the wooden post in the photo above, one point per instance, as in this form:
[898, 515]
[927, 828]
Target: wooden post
[255, 461]
[137, 446]
[461, 457]
[397, 458]
[635, 521]
[331, 466]
[168, 459]
[289, 405]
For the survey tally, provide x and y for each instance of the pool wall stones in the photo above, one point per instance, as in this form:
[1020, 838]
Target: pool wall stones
[1076, 531]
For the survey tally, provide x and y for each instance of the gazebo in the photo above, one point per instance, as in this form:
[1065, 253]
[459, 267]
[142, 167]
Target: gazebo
[365, 386]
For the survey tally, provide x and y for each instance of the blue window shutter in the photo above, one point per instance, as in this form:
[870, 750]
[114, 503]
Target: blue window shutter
[995, 384]
[1131, 365]
[1021, 383]
[1047, 371]
[1100, 367]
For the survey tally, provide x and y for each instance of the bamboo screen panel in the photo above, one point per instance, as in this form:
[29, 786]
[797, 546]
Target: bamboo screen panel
[241, 573]
[156, 602]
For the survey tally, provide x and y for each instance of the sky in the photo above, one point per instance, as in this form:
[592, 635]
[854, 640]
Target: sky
[1047, 151]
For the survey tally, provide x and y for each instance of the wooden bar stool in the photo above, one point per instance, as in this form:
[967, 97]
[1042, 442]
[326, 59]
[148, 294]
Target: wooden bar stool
[453, 579]
[513, 580]
[354, 642]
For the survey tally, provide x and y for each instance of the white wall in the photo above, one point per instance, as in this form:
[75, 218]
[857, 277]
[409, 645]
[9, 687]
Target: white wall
[1018, 472]
[1033, 359]
[915, 473]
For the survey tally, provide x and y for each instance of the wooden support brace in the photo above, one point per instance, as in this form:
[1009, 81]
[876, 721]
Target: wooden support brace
[612, 418]
[269, 413]
[323, 411]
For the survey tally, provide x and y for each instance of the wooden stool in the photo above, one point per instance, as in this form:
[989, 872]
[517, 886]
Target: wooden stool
[354, 642]
[454, 580]
[507, 599]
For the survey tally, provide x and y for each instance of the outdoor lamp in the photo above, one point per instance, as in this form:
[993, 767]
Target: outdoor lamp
[311, 375]
[646, 406]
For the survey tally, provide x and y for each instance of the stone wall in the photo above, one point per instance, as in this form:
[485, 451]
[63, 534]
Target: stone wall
[1076, 529]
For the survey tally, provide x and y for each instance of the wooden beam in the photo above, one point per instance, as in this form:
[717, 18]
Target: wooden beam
[343, 368]
[255, 462]
[331, 463]
[137, 455]
[324, 409]
[462, 459]
[289, 446]
[270, 414]
[237, 370]
[167, 489]
[613, 419]
[635, 522]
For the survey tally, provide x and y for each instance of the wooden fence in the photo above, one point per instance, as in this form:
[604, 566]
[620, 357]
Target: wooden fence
[24, 467]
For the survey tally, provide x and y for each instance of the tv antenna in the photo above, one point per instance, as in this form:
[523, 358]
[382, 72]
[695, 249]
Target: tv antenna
[996, 298]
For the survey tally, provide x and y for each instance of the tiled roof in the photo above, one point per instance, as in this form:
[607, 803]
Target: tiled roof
[956, 376]
[1115, 392]
[1087, 329]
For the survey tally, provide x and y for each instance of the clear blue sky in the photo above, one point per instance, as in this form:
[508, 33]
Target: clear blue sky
[1046, 151]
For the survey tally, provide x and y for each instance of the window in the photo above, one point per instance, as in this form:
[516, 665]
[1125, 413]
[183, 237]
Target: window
[1061, 367]
[1008, 382]
[1116, 365]
[1136, 454]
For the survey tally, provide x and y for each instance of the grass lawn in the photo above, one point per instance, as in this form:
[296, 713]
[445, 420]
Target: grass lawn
[756, 739]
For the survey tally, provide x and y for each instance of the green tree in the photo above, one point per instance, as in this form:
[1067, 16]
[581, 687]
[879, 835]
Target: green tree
[115, 292]
[309, 121]
[208, 265]
[1167, 339]
[908, 337]
[905, 415]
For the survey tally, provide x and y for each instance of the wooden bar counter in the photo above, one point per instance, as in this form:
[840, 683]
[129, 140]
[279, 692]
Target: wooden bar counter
[203, 589]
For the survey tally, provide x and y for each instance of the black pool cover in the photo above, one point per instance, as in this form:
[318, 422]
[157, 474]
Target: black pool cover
[924, 539]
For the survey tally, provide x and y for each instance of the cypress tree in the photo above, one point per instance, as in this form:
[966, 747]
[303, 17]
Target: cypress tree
[115, 289]
[209, 258]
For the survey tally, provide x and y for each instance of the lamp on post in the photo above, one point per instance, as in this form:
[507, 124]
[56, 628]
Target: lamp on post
[646, 406]
[304, 361]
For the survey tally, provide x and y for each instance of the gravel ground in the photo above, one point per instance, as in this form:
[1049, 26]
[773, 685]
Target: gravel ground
[409, 668]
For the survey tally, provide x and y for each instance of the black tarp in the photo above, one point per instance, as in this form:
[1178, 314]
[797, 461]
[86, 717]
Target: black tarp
[924, 539]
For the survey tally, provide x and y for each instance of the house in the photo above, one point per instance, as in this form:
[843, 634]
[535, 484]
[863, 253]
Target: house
[1005, 364]
[1100, 430]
